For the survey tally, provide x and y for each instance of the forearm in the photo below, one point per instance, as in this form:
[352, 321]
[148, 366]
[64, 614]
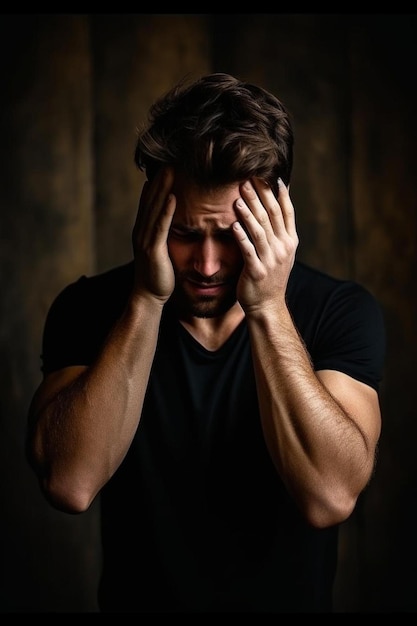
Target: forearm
[84, 430]
[318, 449]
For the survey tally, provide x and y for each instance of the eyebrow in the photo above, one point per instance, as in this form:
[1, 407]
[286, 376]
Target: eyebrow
[192, 230]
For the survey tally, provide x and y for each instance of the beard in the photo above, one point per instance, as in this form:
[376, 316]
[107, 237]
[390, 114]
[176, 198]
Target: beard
[203, 306]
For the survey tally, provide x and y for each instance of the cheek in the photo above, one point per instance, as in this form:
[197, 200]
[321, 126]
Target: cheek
[178, 253]
[234, 254]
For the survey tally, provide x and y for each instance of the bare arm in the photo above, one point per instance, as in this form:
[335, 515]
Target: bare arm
[322, 428]
[83, 419]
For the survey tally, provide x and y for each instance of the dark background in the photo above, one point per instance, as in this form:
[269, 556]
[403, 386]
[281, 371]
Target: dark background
[74, 88]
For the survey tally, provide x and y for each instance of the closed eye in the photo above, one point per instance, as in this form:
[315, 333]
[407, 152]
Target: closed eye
[185, 235]
[224, 234]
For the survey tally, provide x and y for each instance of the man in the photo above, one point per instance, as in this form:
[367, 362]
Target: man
[219, 395]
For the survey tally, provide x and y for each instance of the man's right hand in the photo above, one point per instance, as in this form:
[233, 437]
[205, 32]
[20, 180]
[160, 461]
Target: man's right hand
[154, 274]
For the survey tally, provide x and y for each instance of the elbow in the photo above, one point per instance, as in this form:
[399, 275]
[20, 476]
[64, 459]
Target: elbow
[325, 516]
[334, 502]
[64, 496]
[62, 490]
[331, 509]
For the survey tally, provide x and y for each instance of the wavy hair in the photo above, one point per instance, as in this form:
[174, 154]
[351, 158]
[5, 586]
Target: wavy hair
[218, 130]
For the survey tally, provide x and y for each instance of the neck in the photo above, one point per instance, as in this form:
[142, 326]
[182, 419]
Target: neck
[213, 332]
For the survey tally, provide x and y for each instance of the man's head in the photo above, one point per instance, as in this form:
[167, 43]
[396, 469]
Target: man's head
[218, 130]
[206, 258]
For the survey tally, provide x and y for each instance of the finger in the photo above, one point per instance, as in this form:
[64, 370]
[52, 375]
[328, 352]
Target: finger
[255, 199]
[156, 193]
[153, 203]
[140, 211]
[245, 244]
[271, 206]
[163, 225]
[287, 209]
[252, 227]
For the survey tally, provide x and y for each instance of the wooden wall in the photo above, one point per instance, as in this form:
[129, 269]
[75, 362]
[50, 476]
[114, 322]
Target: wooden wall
[74, 89]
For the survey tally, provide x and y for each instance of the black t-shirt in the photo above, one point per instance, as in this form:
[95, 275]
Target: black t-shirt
[196, 519]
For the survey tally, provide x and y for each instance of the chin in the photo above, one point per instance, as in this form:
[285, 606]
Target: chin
[210, 308]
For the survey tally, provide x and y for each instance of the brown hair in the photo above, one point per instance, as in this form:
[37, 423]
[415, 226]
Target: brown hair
[218, 130]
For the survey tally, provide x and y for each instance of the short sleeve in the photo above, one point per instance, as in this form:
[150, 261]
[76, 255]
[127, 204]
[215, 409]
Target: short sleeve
[351, 335]
[65, 337]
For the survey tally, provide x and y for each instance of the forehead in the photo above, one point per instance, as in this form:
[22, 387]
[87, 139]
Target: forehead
[196, 205]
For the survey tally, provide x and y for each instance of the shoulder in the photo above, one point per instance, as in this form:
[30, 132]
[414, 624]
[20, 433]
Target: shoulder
[322, 290]
[118, 278]
[81, 316]
[306, 278]
[110, 286]
[340, 321]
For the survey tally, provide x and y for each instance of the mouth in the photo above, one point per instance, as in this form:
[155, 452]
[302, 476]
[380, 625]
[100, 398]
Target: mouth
[206, 288]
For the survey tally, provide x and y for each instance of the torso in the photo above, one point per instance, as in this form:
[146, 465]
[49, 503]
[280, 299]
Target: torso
[197, 518]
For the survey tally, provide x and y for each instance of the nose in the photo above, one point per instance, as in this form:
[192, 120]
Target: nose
[207, 257]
